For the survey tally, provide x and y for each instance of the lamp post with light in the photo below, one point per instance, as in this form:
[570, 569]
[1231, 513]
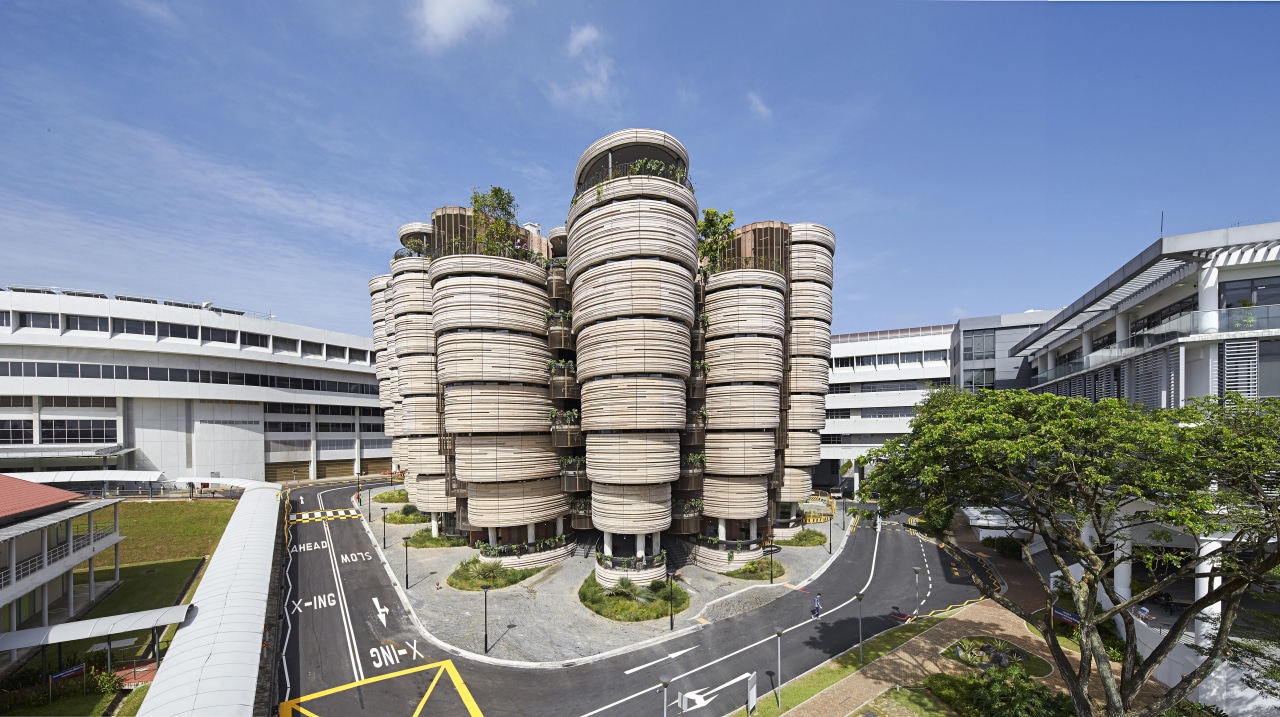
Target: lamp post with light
[406, 563]
[384, 528]
[859, 596]
[666, 682]
[485, 588]
[917, 572]
[777, 631]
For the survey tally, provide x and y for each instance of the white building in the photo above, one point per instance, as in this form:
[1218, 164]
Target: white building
[877, 378]
[89, 381]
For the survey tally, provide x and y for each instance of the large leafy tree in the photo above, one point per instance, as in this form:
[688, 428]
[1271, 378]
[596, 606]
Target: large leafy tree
[716, 231]
[1088, 478]
[493, 213]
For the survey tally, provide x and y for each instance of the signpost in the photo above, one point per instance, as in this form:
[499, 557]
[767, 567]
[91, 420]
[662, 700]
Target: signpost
[751, 693]
[1066, 616]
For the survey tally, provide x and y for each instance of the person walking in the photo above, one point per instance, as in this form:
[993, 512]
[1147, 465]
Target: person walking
[817, 605]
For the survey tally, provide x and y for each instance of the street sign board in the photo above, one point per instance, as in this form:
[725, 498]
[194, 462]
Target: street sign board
[69, 672]
[751, 693]
[1066, 615]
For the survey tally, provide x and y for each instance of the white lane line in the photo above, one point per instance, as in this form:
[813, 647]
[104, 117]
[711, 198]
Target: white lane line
[288, 624]
[350, 634]
[672, 656]
[649, 690]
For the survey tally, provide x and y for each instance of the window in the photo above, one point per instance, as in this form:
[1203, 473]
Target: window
[247, 338]
[912, 357]
[288, 427]
[889, 412]
[358, 355]
[1068, 357]
[78, 431]
[336, 352]
[865, 361]
[843, 362]
[1102, 342]
[371, 427]
[1268, 368]
[311, 348]
[1172, 311]
[4, 318]
[87, 323]
[16, 433]
[76, 401]
[335, 427]
[178, 331]
[835, 439]
[839, 388]
[336, 444]
[133, 326]
[221, 336]
[335, 410]
[29, 320]
[835, 414]
[15, 402]
[979, 345]
[975, 379]
[371, 411]
[46, 370]
[284, 345]
[300, 409]
[887, 360]
[938, 382]
[935, 356]
[372, 444]
[1248, 292]
[879, 386]
[289, 446]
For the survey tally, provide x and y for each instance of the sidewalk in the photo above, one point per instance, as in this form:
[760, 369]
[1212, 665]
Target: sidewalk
[1024, 587]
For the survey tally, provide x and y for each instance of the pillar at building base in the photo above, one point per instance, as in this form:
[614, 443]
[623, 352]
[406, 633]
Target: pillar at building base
[435, 525]
[493, 536]
[560, 525]
[531, 532]
[640, 545]
[720, 530]
[608, 544]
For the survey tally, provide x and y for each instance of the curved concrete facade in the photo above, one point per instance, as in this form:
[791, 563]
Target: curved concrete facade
[634, 346]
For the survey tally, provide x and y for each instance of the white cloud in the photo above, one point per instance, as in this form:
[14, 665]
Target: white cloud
[446, 22]
[580, 38]
[758, 106]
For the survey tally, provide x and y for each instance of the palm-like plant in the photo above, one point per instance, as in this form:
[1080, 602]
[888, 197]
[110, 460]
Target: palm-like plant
[486, 570]
[629, 590]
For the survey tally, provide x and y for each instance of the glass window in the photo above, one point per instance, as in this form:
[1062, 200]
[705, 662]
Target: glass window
[865, 361]
[837, 413]
[37, 321]
[336, 352]
[371, 411]
[371, 427]
[979, 345]
[335, 410]
[4, 318]
[975, 379]
[87, 323]
[335, 427]
[133, 326]
[221, 336]
[932, 356]
[68, 370]
[839, 388]
[90, 370]
[880, 386]
[358, 355]
[844, 362]
[912, 357]
[1269, 368]
[289, 408]
[136, 373]
[178, 331]
[16, 432]
[887, 359]
[311, 348]
[889, 412]
[46, 370]
[158, 374]
[285, 345]
[288, 427]
[248, 338]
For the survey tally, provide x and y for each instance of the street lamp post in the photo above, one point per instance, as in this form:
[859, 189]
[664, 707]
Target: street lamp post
[830, 528]
[778, 632]
[406, 563]
[369, 502]
[671, 610]
[384, 528]
[859, 596]
[666, 682]
[917, 571]
[485, 588]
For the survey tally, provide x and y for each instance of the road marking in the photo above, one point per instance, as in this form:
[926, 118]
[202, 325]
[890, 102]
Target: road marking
[671, 656]
[321, 515]
[289, 708]
[704, 621]
[401, 652]
[413, 645]
[297, 605]
[382, 611]
[349, 631]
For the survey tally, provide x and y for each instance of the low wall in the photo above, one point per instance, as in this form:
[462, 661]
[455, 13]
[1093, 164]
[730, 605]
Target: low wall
[718, 560]
[534, 560]
[608, 577]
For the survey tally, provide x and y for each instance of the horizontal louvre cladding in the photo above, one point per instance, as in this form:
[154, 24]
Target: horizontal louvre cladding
[737, 497]
[417, 374]
[633, 346]
[628, 229]
[742, 406]
[29, 369]
[492, 356]
[495, 505]
[1239, 370]
[810, 233]
[631, 508]
[804, 448]
[633, 458]
[375, 466]
[418, 416]
[758, 278]
[496, 408]
[420, 455]
[497, 266]
[797, 485]
[409, 267]
[633, 287]
[746, 453]
[811, 300]
[633, 402]
[486, 459]
[335, 469]
[291, 470]
[415, 334]
[809, 337]
[810, 262]
[428, 494]
[808, 375]
[469, 302]
[745, 310]
[623, 188]
[745, 358]
[807, 412]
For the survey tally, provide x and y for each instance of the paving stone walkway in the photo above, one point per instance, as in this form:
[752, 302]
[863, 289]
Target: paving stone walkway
[541, 618]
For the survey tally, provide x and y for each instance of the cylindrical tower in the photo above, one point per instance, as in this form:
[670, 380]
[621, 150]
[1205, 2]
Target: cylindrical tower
[490, 326]
[632, 259]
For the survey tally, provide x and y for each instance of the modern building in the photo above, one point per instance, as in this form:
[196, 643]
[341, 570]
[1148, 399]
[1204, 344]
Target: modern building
[980, 346]
[46, 533]
[877, 378]
[91, 381]
[614, 375]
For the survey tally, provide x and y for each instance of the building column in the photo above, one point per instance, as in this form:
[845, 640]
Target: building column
[493, 536]
[608, 544]
[44, 608]
[640, 546]
[1086, 343]
[755, 530]
[657, 542]
[1122, 327]
[1203, 628]
[720, 530]
[435, 525]
[35, 419]
[315, 451]
[1207, 299]
[115, 549]
[1050, 360]
[71, 593]
[13, 606]
[1123, 574]
[532, 531]
[795, 507]
[560, 525]
[359, 442]
[93, 585]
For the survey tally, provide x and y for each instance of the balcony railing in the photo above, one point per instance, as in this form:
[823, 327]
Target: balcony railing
[1196, 323]
[573, 480]
[711, 541]
[618, 562]
[4, 578]
[28, 567]
[565, 435]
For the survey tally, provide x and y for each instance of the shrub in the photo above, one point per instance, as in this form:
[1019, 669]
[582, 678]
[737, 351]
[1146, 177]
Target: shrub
[1005, 546]
[657, 586]
[955, 690]
[473, 572]
[617, 603]
[998, 692]
[804, 539]
[408, 509]
[107, 682]
[392, 496]
[757, 569]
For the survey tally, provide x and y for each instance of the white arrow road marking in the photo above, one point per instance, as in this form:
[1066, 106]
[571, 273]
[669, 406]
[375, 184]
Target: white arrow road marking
[671, 656]
[413, 645]
[694, 700]
[703, 697]
[382, 611]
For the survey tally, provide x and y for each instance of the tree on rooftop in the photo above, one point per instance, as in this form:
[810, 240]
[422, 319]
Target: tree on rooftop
[1087, 478]
[716, 230]
[494, 218]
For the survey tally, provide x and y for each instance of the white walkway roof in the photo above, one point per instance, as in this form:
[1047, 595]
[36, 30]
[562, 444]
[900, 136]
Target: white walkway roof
[96, 627]
[98, 476]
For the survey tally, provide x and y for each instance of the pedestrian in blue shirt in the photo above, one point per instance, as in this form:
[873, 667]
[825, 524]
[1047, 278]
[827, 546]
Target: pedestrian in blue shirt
[817, 605]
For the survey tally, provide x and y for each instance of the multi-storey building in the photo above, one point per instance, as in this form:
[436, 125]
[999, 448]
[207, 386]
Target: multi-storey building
[877, 378]
[614, 375]
[89, 381]
[980, 346]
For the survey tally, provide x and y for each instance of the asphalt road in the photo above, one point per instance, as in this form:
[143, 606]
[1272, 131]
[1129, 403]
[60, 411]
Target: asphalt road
[351, 648]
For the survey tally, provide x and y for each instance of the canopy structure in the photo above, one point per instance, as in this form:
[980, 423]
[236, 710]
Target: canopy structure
[96, 627]
[99, 476]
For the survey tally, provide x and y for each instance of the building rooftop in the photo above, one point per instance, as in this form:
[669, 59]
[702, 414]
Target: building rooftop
[22, 498]
[892, 333]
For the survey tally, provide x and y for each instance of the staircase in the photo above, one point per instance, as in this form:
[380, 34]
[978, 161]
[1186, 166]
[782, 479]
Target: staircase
[588, 543]
[677, 550]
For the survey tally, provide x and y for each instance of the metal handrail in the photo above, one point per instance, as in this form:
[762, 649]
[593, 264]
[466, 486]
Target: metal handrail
[28, 567]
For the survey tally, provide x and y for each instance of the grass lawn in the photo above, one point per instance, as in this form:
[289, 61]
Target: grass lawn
[392, 496]
[170, 529]
[806, 538]
[918, 701]
[1035, 665]
[132, 702]
[653, 602]
[471, 574]
[143, 587]
[844, 665]
[758, 570]
[92, 705]
[423, 539]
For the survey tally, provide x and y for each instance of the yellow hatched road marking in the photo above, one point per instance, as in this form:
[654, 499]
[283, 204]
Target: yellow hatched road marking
[287, 709]
[428, 694]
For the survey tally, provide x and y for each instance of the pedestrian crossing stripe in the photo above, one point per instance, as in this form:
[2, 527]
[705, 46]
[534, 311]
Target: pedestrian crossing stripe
[319, 515]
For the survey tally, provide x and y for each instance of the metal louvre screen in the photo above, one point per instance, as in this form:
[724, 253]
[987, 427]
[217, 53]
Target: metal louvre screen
[1240, 367]
[1147, 370]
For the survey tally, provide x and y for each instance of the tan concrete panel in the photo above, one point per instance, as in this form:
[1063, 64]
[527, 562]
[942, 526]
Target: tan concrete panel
[414, 334]
[414, 296]
[808, 375]
[633, 458]
[420, 455]
[417, 374]
[742, 406]
[745, 310]
[624, 188]
[480, 264]
[631, 509]
[809, 233]
[746, 277]
[810, 300]
[808, 412]
[803, 448]
[633, 403]
[809, 337]
[497, 505]
[636, 228]
[466, 302]
[609, 577]
[492, 356]
[744, 358]
[390, 419]
[737, 497]
[633, 287]
[428, 494]
[496, 408]
[417, 416]
[410, 265]
[797, 486]
[488, 459]
[717, 561]
[633, 346]
[740, 454]
[625, 138]
[811, 262]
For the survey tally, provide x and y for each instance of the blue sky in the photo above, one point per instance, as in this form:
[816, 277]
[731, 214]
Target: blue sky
[972, 158]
